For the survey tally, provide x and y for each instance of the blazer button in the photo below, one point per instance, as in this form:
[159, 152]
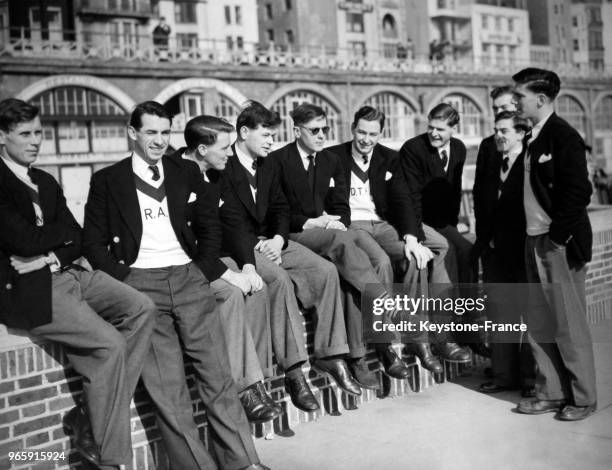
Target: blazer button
[121, 261]
[116, 239]
[9, 286]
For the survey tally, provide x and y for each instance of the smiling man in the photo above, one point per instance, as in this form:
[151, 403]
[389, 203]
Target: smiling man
[556, 194]
[104, 324]
[149, 223]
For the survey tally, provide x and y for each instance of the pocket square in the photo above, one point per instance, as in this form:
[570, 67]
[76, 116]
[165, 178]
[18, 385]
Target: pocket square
[332, 183]
[221, 202]
[388, 175]
[192, 198]
[544, 158]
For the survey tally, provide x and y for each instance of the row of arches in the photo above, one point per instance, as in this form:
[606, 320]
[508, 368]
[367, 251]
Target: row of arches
[87, 114]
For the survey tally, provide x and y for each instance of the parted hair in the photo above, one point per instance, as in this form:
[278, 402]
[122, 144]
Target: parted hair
[537, 80]
[520, 123]
[14, 111]
[369, 113]
[204, 130]
[306, 112]
[148, 107]
[444, 112]
[255, 114]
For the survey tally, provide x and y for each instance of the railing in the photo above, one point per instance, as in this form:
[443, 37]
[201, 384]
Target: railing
[36, 43]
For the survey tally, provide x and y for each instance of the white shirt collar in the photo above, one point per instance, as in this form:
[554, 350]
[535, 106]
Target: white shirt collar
[538, 127]
[512, 156]
[444, 147]
[304, 155]
[141, 169]
[358, 157]
[20, 171]
[244, 159]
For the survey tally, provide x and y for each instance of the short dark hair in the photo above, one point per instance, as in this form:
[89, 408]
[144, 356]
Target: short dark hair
[444, 112]
[369, 113]
[14, 111]
[204, 130]
[500, 91]
[519, 123]
[148, 107]
[306, 112]
[255, 114]
[537, 80]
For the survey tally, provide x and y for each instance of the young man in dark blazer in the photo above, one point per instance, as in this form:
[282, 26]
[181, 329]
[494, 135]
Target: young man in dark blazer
[140, 228]
[559, 239]
[381, 208]
[291, 271]
[105, 325]
[500, 232]
[245, 315]
[314, 184]
[433, 166]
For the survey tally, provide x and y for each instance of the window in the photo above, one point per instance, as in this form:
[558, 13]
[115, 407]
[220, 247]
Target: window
[388, 26]
[187, 40]
[470, 125]
[289, 36]
[400, 122]
[358, 48]
[603, 114]
[441, 4]
[228, 15]
[270, 35]
[269, 13]
[485, 21]
[511, 24]
[575, 21]
[570, 109]
[240, 42]
[229, 42]
[288, 5]
[556, 9]
[238, 14]
[576, 45]
[354, 22]
[498, 25]
[185, 12]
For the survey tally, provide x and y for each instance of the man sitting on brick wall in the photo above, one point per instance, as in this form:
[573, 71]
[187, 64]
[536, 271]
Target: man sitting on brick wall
[105, 325]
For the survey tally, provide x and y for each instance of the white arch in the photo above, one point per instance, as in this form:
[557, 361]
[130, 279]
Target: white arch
[391, 90]
[600, 98]
[316, 89]
[190, 83]
[575, 96]
[456, 91]
[86, 81]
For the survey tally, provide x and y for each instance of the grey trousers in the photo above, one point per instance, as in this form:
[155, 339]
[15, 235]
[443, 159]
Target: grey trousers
[557, 303]
[106, 327]
[188, 322]
[314, 281]
[437, 243]
[246, 326]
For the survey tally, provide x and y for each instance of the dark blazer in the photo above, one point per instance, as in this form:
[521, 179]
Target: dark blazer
[436, 196]
[330, 193]
[561, 186]
[391, 196]
[25, 300]
[113, 225]
[267, 217]
[235, 242]
[500, 217]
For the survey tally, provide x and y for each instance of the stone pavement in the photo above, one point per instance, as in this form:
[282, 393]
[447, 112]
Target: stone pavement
[452, 426]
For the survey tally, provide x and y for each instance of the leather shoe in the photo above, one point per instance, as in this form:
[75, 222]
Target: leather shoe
[452, 352]
[266, 398]
[362, 374]
[537, 407]
[300, 393]
[77, 423]
[256, 466]
[481, 349]
[337, 369]
[576, 413]
[254, 407]
[528, 391]
[393, 365]
[491, 387]
[427, 358]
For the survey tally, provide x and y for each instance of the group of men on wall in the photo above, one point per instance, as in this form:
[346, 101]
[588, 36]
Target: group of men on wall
[212, 251]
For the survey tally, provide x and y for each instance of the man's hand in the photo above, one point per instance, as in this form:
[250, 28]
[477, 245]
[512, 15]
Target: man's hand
[240, 280]
[27, 265]
[255, 279]
[421, 253]
[272, 248]
[323, 221]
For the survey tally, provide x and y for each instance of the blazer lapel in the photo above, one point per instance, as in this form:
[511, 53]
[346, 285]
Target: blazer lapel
[299, 179]
[124, 193]
[18, 190]
[263, 189]
[175, 184]
[377, 175]
[322, 181]
[241, 184]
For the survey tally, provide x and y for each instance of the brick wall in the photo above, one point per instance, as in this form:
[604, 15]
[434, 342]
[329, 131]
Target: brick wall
[37, 386]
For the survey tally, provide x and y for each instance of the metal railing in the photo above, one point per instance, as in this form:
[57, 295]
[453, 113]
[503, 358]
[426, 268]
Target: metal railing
[37, 43]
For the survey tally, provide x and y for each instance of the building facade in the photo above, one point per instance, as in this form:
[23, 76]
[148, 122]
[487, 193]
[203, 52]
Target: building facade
[587, 34]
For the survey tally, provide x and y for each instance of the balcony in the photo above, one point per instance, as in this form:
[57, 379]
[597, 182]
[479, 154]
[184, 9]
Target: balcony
[139, 9]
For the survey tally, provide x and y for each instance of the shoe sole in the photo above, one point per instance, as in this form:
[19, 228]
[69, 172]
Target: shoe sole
[539, 412]
[561, 418]
[299, 407]
[331, 378]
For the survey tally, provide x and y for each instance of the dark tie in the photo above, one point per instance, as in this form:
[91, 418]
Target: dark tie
[444, 157]
[505, 164]
[31, 174]
[254, 164]
[310, 171]
[365, 159]
[155, 171]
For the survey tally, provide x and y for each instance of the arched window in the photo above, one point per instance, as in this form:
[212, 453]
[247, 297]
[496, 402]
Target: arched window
[79, 120]
[470, 128]
[603, 130]
[389, 27]
[570, 109]
[400, 116]
[603, 114]
[288, 102]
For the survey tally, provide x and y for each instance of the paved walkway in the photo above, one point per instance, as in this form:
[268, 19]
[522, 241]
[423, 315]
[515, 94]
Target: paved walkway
[452, 426]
